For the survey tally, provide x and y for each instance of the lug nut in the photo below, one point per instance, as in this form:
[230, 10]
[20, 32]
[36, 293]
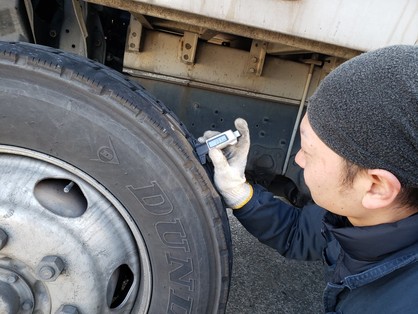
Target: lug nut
[46, 272]
[27, 305]
[12, 278]
[67, 309]
[49, 268]
[3, 238]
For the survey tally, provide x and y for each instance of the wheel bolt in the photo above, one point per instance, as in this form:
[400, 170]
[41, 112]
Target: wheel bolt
[12, 278]
[46, 272]
[3, 238]
[49, 268]
[67, 309]
[27, 305]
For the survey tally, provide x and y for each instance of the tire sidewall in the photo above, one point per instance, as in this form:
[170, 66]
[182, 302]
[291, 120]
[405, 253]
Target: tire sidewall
[138, 163]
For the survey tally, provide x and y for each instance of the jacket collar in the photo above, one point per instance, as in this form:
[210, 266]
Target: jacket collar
[364, 246]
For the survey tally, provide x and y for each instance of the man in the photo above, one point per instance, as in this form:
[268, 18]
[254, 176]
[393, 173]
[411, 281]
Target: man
[359, 152]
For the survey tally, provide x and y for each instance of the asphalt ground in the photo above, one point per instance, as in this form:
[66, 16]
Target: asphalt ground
[264, 282]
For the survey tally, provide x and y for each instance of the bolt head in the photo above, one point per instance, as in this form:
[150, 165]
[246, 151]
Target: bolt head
[46, 272]
[49, 268]
[27, 305]
[12, 278]
[67, 309]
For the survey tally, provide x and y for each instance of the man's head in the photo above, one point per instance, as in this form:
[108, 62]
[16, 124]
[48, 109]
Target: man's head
[366, 111]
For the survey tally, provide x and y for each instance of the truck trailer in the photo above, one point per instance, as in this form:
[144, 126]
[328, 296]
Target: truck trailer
[105, 205]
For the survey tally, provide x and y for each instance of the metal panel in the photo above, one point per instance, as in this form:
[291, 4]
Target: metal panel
[210, 26]
[357, 24]
[219, 66]
[270, 122]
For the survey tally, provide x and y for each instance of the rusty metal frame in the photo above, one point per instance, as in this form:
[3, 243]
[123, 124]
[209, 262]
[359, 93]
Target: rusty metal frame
[232, 28]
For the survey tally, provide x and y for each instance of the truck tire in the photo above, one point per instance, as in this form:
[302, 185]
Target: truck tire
[104, 206]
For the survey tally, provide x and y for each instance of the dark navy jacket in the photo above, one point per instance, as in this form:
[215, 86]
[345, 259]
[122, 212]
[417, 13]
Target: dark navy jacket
[369, 269]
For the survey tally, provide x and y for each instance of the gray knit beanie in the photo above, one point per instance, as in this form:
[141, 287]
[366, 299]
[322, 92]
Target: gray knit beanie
[366, 110]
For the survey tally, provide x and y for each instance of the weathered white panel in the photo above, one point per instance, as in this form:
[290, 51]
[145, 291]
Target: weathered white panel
[357, 24]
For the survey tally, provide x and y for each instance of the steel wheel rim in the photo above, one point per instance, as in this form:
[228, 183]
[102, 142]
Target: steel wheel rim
[99, 245]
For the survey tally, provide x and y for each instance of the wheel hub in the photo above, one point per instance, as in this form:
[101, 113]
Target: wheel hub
[66, 241]
[15, 293]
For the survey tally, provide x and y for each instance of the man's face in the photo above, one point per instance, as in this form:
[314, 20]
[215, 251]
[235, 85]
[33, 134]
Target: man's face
[323, 173]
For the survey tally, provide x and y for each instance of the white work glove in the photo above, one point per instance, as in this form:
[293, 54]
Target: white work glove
[229, 164]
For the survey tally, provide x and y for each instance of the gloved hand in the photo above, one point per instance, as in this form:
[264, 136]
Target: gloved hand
[229, 165]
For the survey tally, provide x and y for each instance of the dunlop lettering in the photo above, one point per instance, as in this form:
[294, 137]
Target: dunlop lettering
[172, 234]
[184, 269]
[152, 198]
[178, 305]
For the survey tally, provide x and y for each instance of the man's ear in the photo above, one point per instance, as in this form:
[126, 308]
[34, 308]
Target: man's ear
[383, 187]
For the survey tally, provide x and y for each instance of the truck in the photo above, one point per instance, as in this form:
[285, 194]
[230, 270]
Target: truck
[105, 205]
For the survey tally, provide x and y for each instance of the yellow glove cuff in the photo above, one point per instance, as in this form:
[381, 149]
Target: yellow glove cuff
[247, 199]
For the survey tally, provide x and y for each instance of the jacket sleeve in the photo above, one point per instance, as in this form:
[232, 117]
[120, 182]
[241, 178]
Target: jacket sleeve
[294, 232]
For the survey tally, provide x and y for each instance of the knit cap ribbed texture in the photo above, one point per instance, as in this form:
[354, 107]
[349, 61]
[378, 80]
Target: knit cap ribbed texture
[366, 110]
